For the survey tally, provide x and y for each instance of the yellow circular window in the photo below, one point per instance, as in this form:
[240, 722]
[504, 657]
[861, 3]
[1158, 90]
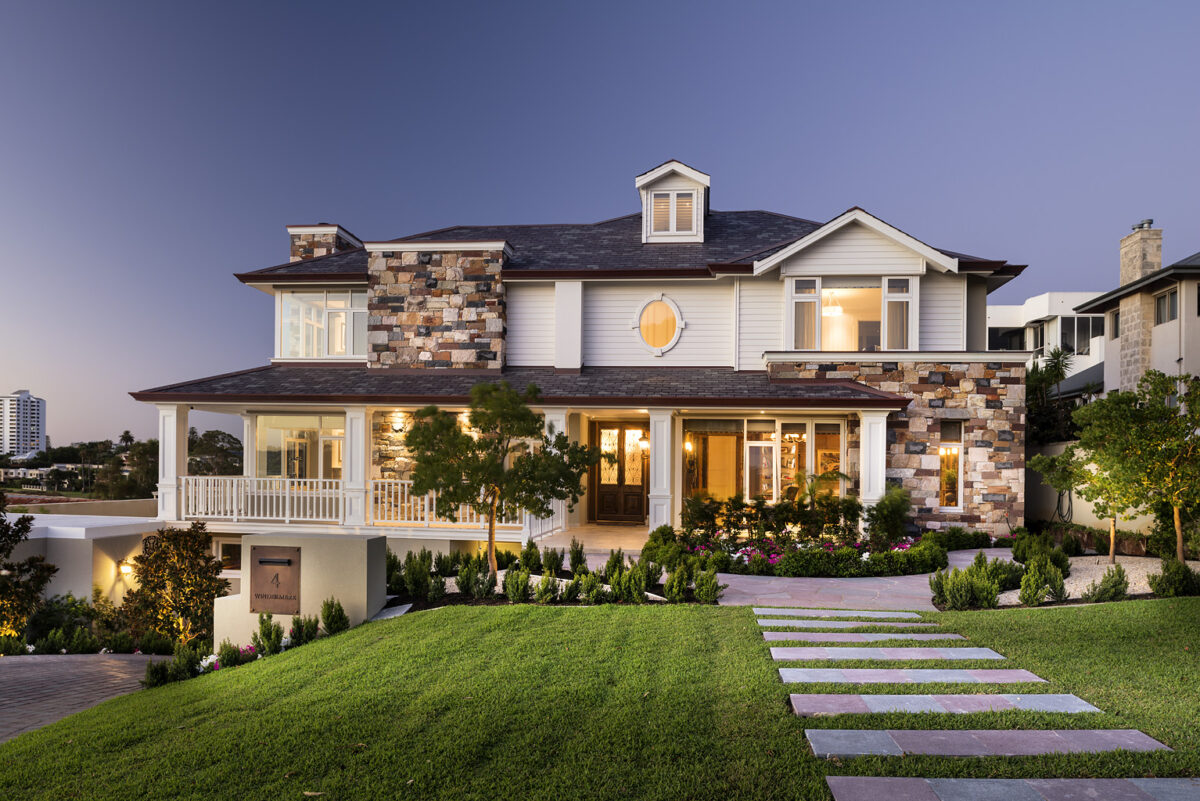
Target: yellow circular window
[658, 324]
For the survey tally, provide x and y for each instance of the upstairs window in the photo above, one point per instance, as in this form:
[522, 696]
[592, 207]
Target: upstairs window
[898, 297]
[1114, 325]
[320, 324]
[1166, 307]
[673, 212]
[851, 313]
[1077, 332]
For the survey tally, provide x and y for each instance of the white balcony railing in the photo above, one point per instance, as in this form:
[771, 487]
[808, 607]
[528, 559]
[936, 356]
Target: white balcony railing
[393, 503]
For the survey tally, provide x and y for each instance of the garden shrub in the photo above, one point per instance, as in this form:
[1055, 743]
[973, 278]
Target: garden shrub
[437, 588]
[937, 585]
[178, 579]
[157, 674]
[966, 589]
[395, 574]
[708, 589]
[55, 642]
[653, 572]
[552, 561]
[591, 589]
[155, 642]
[577, 558]
[11, 645]
[476, 580]
[467, 573]
[547, 589]
[83, 642]
[675, 590]
[1026, 546]
[516, 585]
[443, 564]
[719, 561]
[1055, 588]
[700, 513]
[628, 586]
[956, 538]
[1113, 586]
[887, 521]
[228, 655]
[615, 563]
[23, 581]
[64, 612]
[1176, 579]
[1041, 578]
[333, 617]
[268, 640]
[1006, 574]
[185, 665]
[119, 642]
[418, 569]
[504, 559]
[572, 589]
[531, 558]
[1071, 545]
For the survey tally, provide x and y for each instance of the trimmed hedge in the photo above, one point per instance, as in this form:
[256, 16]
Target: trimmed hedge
[957, 539]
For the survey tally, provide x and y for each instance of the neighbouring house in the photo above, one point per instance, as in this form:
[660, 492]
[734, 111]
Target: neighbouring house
[1048, 321]
[1153, 316]
[709, 351]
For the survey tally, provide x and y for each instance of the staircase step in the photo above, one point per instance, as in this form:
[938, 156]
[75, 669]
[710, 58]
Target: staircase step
[904, 676]
[852, 636]
[847, 743]
[869, 788]
[837, 624]
[818, 704]
[849, 652]
[797, 612]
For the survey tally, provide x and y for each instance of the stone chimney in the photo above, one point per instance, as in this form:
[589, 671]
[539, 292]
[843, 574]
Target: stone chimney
[322, 239]
[1141, 255]
[1141, 252]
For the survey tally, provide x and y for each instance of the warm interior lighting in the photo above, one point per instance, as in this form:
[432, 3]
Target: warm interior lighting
[124, 567]
[687, 446]
[644, 442]
[832, 308]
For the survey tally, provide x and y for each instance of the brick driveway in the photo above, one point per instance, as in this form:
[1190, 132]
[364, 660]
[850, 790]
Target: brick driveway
[36, 691]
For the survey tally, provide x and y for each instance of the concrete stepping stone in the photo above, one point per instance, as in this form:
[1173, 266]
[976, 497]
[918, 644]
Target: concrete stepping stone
[871, 613]
[818, 704]
[905, 676]
[869, 788]
[796, 653]
[800, 623]
[852, 636]
[847, 743]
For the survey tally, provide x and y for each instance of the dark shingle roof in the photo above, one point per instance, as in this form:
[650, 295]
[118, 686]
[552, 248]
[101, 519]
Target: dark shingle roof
[1155, 281]
[635, 386]
[348, 263]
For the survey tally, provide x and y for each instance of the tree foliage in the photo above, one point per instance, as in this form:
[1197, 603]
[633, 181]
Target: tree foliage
[21, 582]
[504, 463]
[214, 453]
[178, 580]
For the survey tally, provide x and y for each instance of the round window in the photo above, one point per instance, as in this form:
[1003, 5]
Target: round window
[658, 324]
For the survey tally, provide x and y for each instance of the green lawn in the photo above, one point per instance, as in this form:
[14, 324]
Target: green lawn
[608, 702]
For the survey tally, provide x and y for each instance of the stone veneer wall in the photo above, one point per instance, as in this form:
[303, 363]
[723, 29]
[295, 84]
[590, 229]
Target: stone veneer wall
[435, 309]
[989, 399]
[308, 246]
[389, 458]
[1137, 322]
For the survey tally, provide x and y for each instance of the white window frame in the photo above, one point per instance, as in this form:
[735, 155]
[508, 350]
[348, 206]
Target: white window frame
[217, 543]
[810, 451]
[791, 297]
[673, 194]
[1167, 297]
[325, 311]
[962, 448]
[911, 297]
[636, 324]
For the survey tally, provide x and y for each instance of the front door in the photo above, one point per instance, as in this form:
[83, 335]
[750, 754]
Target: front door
[619, 486]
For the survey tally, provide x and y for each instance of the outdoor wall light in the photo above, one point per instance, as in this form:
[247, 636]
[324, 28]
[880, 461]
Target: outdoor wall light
[687, 446]
[644, 442]
[124, 567]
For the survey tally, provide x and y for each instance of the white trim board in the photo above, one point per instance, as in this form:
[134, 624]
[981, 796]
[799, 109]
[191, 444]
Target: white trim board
[421, 247]
[870, 357]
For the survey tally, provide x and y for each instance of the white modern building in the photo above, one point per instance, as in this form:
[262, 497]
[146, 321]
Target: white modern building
[1048, 321]
[22, 423]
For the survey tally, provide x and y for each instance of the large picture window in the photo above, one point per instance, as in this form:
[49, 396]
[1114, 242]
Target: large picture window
[852, 313]
[300, 446]
[319, 324]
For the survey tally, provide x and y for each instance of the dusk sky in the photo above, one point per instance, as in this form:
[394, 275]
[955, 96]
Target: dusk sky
[148, 151]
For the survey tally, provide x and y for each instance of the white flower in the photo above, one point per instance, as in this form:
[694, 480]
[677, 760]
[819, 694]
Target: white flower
[29, 649]
[286, 642]
[206, 663]
[104, 651]
[866, 556]
[63, 651]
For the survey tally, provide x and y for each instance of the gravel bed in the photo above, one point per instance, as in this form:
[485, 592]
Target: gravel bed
[1086, 569]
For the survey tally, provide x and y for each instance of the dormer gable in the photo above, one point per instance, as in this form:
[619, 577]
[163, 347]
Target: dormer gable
[674, 203]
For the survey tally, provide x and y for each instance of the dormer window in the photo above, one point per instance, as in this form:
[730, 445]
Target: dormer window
[674, 212]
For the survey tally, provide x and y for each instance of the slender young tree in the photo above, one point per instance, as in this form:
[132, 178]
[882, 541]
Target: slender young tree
[504, 462]
[21, 582]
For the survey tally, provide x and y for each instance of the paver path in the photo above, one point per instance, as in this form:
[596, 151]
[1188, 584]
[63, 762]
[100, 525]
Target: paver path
[883, 654]
[904, 676]
[802, 623]
[817, 704]
[847, 743]
[789, 611]
[852, 636]
[36, 691]
[866, 788]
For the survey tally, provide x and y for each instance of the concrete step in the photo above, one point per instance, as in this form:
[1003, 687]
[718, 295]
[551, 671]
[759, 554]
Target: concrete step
[904, 676]
[786, 653]
[800, 623]
[868, 788]
[852, 636]
[848, 743]
[797, 612]
[819, 704]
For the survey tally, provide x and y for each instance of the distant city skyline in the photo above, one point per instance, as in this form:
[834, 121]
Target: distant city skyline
[151, 151]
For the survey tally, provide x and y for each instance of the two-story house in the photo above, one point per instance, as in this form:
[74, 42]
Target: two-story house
[709, 351]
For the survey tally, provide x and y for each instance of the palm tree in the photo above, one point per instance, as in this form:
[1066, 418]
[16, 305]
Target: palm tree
[1056, 366]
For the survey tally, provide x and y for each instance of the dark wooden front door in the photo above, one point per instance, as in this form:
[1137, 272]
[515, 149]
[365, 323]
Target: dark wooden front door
[618, 489]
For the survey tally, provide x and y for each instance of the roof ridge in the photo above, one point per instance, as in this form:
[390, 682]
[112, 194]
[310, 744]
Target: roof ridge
[410, 237]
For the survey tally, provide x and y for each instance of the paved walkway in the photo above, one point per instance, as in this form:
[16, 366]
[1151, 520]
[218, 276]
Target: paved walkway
[895, 592]
[36, 691]
[865, 788]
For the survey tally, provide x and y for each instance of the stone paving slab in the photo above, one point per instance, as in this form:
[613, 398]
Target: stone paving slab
[801, 623]
[871, 613]
[853, 636]
[38, 690]
[817, 704]
[795, 653]
[846, 743]
[866, 788]
[904, 676]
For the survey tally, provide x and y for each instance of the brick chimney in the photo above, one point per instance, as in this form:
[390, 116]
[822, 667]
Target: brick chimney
[322, 239]
[1141, 252]
[1141, 255]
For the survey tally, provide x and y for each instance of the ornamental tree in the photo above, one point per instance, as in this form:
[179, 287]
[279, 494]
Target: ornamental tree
[178, 580]
[21, 583]
[503, 463]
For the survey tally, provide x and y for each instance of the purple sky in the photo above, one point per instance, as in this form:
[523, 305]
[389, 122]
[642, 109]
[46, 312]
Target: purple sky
[148, 151]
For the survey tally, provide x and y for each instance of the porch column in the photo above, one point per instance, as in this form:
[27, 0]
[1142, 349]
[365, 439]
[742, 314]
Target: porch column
[662, 450]
[555, 419]
[356, 455]
[249, 445]
[872, 457]
[172, 458]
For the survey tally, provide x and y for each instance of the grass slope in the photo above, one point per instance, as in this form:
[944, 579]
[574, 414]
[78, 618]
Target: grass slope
[609, 702]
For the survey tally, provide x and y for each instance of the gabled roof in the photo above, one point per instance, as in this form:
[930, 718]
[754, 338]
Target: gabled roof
[1159, 279]
[668, 167]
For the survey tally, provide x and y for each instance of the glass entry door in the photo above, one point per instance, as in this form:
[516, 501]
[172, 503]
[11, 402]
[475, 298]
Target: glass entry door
[619, 485]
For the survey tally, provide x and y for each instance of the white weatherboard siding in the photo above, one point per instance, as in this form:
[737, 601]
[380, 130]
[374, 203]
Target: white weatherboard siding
[942, 307]
[530, 324]
[611, 340]
[855, 250]
[760, 320]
